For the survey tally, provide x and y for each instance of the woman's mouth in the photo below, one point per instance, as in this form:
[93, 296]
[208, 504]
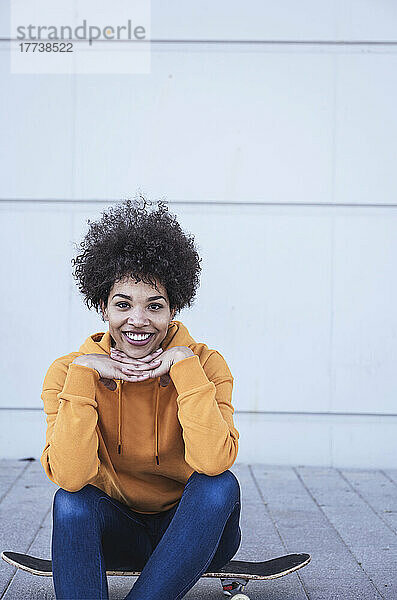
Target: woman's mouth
[137, 339]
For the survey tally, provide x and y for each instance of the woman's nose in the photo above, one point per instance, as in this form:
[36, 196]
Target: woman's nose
[138, 319]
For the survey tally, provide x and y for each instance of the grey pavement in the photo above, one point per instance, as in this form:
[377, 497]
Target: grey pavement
[345, 518]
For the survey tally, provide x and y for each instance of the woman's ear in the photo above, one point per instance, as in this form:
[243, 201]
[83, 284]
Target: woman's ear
[173, 312]
[104, 311]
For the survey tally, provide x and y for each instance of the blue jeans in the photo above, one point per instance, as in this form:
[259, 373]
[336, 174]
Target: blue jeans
[93, 532]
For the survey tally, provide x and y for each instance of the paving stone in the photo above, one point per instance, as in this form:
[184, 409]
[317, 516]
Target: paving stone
[21, 513]
[368, 538]
[333, 573]
[391, 474]
[10, 470]
[378, 491]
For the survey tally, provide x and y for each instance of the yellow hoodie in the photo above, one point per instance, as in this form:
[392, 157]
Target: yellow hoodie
[141, 442]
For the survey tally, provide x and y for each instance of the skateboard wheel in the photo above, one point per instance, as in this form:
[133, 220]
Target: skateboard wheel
[240, 597]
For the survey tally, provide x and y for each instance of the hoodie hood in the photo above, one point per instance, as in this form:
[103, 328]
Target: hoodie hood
[100, 343]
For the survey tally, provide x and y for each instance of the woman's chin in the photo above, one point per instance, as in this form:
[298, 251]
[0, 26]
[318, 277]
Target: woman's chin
[138, 352]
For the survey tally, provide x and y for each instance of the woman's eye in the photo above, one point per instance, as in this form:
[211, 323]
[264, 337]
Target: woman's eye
[119, 304]
[157, 306]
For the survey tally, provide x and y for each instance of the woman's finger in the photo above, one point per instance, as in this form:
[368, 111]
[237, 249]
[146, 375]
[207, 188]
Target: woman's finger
[149, 357]
[146, 365]
[142, 367]
[158, 371]
[136, 371]
[131, 362]
[133, 378]
[121, 357]
[117, 351]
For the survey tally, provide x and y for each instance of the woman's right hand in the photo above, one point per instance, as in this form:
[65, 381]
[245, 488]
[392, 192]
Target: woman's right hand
[109, 369]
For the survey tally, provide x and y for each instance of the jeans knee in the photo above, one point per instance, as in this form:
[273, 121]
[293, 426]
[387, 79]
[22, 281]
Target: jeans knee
[218, 490]
[72, 506]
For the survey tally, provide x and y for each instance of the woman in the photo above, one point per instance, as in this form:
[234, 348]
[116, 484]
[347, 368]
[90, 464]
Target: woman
[140, 434]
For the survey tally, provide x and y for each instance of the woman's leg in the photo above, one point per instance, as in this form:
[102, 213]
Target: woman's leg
[203, 532]
[92, 532]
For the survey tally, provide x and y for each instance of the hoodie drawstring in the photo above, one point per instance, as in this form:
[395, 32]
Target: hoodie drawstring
[119, 419]
[156, 436]
[156, 420]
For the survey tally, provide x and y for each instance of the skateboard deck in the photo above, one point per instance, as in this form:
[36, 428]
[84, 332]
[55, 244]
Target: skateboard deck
[234, 575]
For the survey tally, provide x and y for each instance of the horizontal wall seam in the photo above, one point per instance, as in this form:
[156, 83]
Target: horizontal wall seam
[259, 412]
[201, 202]
[313, 414]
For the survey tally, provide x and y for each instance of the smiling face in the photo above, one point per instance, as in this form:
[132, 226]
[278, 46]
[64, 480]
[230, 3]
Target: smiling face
[138, 316]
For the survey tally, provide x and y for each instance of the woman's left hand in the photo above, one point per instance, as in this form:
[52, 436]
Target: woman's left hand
[166, 359]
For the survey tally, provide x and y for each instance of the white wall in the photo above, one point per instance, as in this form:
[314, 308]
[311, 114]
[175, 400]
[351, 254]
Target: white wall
[279, 157]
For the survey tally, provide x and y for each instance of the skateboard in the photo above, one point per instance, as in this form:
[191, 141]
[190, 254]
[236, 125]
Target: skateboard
[234, 576]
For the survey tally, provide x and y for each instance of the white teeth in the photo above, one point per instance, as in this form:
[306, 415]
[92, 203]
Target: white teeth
[137, 336]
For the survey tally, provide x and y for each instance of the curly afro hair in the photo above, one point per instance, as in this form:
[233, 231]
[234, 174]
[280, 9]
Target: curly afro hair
[148, 245]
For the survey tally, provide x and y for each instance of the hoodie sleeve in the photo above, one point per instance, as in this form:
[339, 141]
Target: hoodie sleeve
[205, 412]
[70, 457]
